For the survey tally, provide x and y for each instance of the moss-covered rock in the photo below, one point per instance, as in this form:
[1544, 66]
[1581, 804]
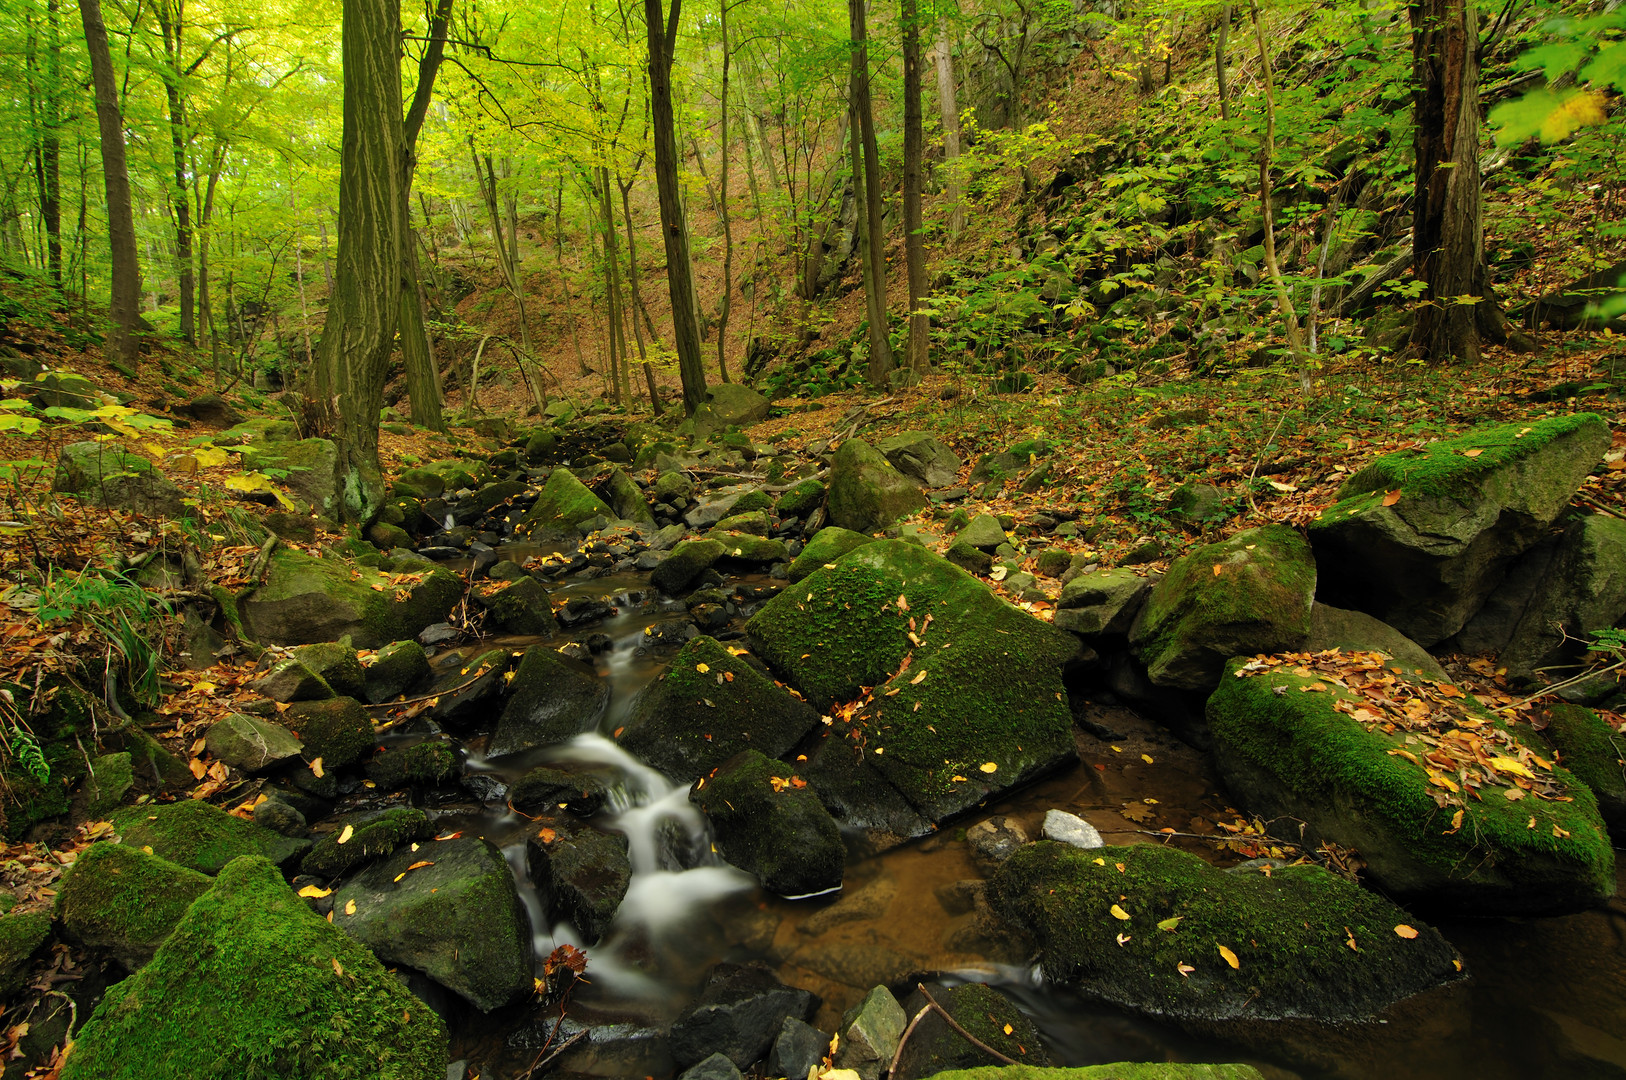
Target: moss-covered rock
[338, 730]
[22, 934]
[563, 503]
[456, 918]
[922, 457]
[419, 484]
[251, 744]
[626, 498]
[1102, 603]
[256, 430]
[801, 500]
[686, 562]
[546, 789]
[1285, 750]
[423, 764]
[827, 545]
[1425, 559]
[747, 548]
[1123, 1070]
[201, 837]
[981, 1010]
[308, 467]
[106, 476]
[978, 710]
[550, 700]
[707, 707]
[336, 664]
[767, 825]
[1596, 754]
[119, 898]
[306, 599]
[580, 874]
[519, 607]
[866, 492]
[468, 695]
[371, 836]
[1249, 594]
[290, 680]
[253, 984]
[1582, 591]
[673, 485]
[1289, 932]
[110, 779]
[460, 474]
[397, 668]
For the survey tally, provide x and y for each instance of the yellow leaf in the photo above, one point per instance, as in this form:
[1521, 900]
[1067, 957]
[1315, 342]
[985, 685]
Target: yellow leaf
[1405, 931]
[209, 457]
[916, 680]
[1119, 913]
[1562, 834]
[1513, 794]
[256, 481]
[1170, 923]
[350, 907]
[311, 892]
[1475, 452]
[338, 968]
[316, 767]
[1148, 759]
[1185, 970]
[349, 831]
[1230, 957]
[989, 767]
[1504, 764]
[420, 865]
[702, 668]
[1009, 1029]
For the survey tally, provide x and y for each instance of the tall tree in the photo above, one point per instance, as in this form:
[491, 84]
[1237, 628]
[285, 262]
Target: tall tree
[722, 208]
[45, 103]
[880, 345]
[914, 242]
[674, 226]
[949, 116]
[124, 306]
[417, 352]
[365, 307]
[1447, 239]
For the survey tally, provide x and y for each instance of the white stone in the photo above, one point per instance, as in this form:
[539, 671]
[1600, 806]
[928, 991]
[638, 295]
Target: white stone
[1070, 829]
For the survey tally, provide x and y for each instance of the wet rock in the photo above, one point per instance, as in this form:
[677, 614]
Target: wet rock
[686, 562]
[563, 503]
[397, 668]
[707, 513]
[520, 607]
[281, 817]
[1583, 590]
[119, 898]
[922, 458]
[669, 634]
[672, 485]
[747, 548]
[990, 1016]
[767, 826]
[202, 837]
[1103, 603]
[580, 610]
[1356, 631]
[739, 1014]
[801, 500]
[335, 664]
[1425, 561]
[366, 837]
[423, 764]
[338, 730]
[456, 919]
[870, 1032]
[104, 476]
[755, 522]
[709, 706]
[305, 599]
[627, 498]
[551, 700]
[1593, 751]
[1286, 752]
[869, 902]
[799, 1048]
[468, 694]
[1257, 601]
[548, 789]
[858, 963]
[1066, 828]
[289, 681]
[1289, 932]
[580, 874]
[866, 492]
[716, 1067]
[251, 744]
[993, 841]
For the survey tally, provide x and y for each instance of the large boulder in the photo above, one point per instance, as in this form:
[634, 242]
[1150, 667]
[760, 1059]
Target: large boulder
[311, 467]
[580, 874]
[550, 700]
[253, 983]
[1595, 751]
[727, 405]
[395, 669]
[866, 492]
[827, 545]
[107, 477]
[1356, 631]
[1446, 804]
[202, 837]
[563, 503]
[922, 458]
[518, 607]
[707, 707]
[767, 823]
[363, 838]
[23, 936]
[306, 599]
[965, 696]
[1249, 594]
[686, 562]
[251, 744]
[119, 898]
[337, 730]
[1102, 603]
[740, 1011]
[1420, 538]
[448, 909]
[626, 498]
[1158, 931]
[934, 1047]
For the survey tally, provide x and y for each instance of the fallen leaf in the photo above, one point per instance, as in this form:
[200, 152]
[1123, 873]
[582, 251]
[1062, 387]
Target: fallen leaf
[420, 865]
[1185, 970]
[1148, 759]
[1562, 834]
[1392, 497]
[1230, 958]
[702, 668]
[316, 768]
[1475, 452]
[547, 836]
[349, 831]
[312, 892]
[1119, 913]
[338, 968]
[989, 767]
[350, 907]
[1405, 931]
[1170, 923]
[917, 679]
[1009, 1029]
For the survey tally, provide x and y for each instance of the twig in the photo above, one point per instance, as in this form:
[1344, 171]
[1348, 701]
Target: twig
[263, 556]
[1584, 497]
[892, 1069]
[1263, 450]
[428, 697]
[955, 1024]
[1573, 680]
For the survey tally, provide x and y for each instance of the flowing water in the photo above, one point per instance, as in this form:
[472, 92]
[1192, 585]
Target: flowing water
[1547, 997]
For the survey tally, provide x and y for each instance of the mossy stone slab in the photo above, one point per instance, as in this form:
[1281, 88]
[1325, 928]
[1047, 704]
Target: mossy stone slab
[119, 898]
[202, 837]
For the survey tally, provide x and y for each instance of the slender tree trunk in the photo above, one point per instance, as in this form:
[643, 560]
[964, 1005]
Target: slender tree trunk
[1267, 150]
[1220, 42]
[417, 350]
[866, 265]
[637, 294]
[674, 229]
[171, 27]
[1457, 308]
[949, 116]
[914, 240]
[564, 282]
[508, 261]
[364, 309]
[722, 209]
[612, 292]
[880, 345]
[124, 306]
[49, 152]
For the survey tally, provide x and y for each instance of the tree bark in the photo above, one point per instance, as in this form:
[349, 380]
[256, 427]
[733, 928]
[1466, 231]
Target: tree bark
[171, 27]
[1220, 40]
[722, 210]
[612, 291]
[124, 306]
[880, 345]
[674, 229]
[364, 309]
[417, 351]
[637, 295]
[914, 242]
[949, 116]
[1456, 308]
[47, 149]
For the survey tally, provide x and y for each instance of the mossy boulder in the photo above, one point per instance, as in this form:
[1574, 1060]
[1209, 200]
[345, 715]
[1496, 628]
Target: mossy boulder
[1582, 591]
[801, 500]
[1289, 932]
[336, 664]
[1123, 1070]
[260, 429]
[707, 707]
[419, 484]
[981, 1010]
[546, 789]
[105, 476]
[460, 474]
[397, 668]
[684, 563]
[1420, 538]
[371, 836]
[755, 522]
[673, 485]
[252, 744]
[626, 498]
[468, 695]
[519, 607]
[866, 493]
[1596, 753]
[728, 404]
[922, 457]
[423, 764]
[121, 899]
[1356, 631]
[22, 935]
[290, 680]
[580, 874]
[978, 710]
[1249, 594]
[563, 503]
[108, 782]
[550, 700]
[338, 730]
[306, 599]
[827, 545]
[254, 984]
[769, 824]
[1287, 750]
[202, 837]
[311, 467]
[1103, 603]
[456, 918]
[742, 547]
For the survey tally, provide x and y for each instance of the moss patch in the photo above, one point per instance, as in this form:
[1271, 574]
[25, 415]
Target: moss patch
[768, 826]
[21, 936]
[563, 503]
[827, 545]
[338, 730]
[202, 837]
[368, 840]
[1596, 754]
[119, 898]
[255, 985]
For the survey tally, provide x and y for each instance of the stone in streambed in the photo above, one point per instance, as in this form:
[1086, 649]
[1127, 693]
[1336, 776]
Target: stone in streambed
[550, 700]
[922, 458]
[686, 562]
[335, 664]
[547, 789]
[866, 493]
[290, 680]
[119, 898]
[251, 744]
[202, 837]
[870, 1032]
[338, 730]
[306, 599]
[563, 503]
[770, 827]
[371, 836]
[1356, 631]
[423, 764]
[827, 545]
[519, 607]
[799, 1048]
[934, 1047]
[740, 1012]
[1102, 603]
[397, 668]
[580, 874]
[1596, 753]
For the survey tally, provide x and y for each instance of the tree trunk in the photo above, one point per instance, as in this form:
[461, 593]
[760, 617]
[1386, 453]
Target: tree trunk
[722, 210]
[1267, 150]
[417, 351]
[1447, 243]
[48, 146]
[637, 295]
[612, 291]
[914, 243]
[508, 261]
[674, 229]
[364, 309]
[949, 116]
[171, 27]
[124, 306]
[1220, 40]
[880, 345]
[564, 282]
